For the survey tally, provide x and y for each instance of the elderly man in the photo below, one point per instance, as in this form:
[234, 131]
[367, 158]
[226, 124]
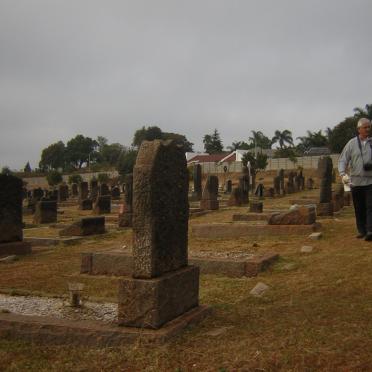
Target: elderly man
[357, 155]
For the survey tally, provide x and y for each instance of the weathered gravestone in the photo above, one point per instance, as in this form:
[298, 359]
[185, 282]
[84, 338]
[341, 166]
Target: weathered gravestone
[277, 185]
[290, 184]
[197, 179]
[115, 193]
[236, 198]
[83, 190]
[86, 204]
[347, 198]
[126, 214]
[45, 212]
[62, 193]
[102, 205]
[93, 189]
[338, 197]
[104, 189]
[309, 183]
[74, 189]
[281, 181]
[269, 192]
[37, 194]
[228, 186]
[259, 192]
[325, 168]
[86, 226]
[209, 198]
[299, 181]
[24, 193]
[54, 195]
[11, 233]
[244, 187]
[163, 286]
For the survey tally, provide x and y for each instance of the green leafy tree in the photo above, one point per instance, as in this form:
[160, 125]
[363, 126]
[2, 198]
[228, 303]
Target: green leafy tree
[80, 150]
[53, 156]
[282, 138]
[146, 134]
[257, 163]
[213, 143]
[287, 152]
[340, 135]
[108, 153]
[75, 178]
[363, 113]
[180, 139]
[27, 168]
[126, 162]
[6, 170]
[54, 178]
[239, 145]
[103, 178]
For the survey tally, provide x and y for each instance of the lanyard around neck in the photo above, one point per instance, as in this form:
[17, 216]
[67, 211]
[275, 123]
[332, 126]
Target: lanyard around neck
[360, 148]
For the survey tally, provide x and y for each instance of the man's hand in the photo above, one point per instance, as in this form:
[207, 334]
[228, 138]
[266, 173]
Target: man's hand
[345, 179]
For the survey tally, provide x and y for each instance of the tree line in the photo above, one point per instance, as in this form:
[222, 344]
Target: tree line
[97, 154]
[333, 138]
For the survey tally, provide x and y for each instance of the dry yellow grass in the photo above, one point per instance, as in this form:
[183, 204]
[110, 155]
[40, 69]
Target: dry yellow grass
[317, 314]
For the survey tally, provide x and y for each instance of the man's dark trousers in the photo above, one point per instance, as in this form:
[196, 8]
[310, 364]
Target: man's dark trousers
[362, 199]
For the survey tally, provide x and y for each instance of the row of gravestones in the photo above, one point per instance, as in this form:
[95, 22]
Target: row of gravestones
[163, 286]
[62, 193]
[295, 182]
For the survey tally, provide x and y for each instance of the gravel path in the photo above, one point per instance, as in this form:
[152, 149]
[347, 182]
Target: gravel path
[227, 255]
[58, 308]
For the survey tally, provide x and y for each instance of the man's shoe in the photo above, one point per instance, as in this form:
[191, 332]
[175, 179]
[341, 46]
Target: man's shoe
[368, 236]
[361, 235]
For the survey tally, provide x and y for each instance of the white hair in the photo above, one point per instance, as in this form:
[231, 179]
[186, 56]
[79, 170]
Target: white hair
[363, 121]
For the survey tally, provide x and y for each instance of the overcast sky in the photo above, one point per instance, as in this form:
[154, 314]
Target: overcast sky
[109, 67]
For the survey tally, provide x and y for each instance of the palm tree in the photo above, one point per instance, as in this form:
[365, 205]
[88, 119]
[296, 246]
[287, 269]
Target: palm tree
[282, 138]
[260, 140]
[313, 139]
[363, 113]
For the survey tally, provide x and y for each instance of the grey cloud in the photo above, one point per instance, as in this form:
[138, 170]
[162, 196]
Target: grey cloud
[107, 68]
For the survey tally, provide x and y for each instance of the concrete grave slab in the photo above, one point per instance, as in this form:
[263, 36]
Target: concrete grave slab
[234, 230]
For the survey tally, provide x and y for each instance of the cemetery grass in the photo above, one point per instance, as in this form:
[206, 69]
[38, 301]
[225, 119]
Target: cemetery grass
[316, 315]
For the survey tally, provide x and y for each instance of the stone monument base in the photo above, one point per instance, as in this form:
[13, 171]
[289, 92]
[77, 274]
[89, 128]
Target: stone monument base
[47, 331]
[150, 303]
[209, 204]
[255, 207]
[15, 248]
[324, 209]
[125, 219]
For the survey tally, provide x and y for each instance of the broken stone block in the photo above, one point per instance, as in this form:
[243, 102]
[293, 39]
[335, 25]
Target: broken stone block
[303, 215]
[315, 235]
[259, 289]
[306, 249]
